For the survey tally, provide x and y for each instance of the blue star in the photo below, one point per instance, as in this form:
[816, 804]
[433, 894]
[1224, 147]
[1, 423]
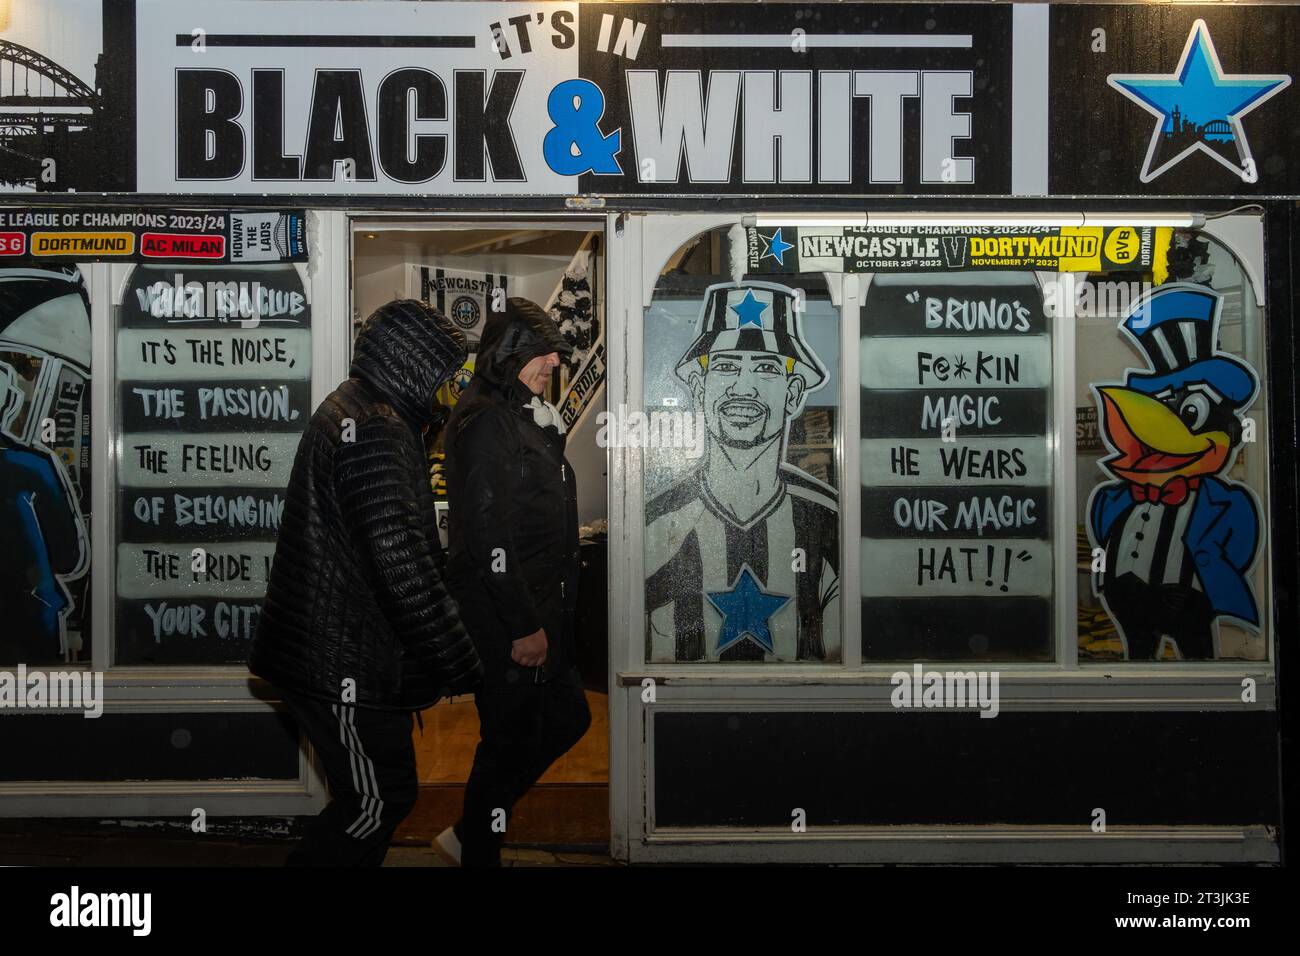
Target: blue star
[746, 610]
[775, 246]
[1199, 104]
[749, 310]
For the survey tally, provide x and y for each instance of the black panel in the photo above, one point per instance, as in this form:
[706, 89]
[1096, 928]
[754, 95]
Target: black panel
[116, 118]
[215, 405]
[1000, 511]
[203, 630]
[912, 413]
[753, 769]
[1282, 236]
[925, 304]
[232, 513]
[1100, 138]
[957, 629]
[150, 747]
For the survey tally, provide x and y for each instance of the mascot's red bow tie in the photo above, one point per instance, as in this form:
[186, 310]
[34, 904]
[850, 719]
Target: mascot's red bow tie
[1173, 492]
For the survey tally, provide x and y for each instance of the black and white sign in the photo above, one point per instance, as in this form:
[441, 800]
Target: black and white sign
[956, 470]
[214, 387]
[464, 297]
[368, 98]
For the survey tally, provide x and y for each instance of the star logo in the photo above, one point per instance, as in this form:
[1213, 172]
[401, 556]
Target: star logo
[775, 247]
[1198, 108]
[749, 310]
[746, 610]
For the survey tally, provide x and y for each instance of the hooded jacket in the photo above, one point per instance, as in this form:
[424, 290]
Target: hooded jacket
[513, 537]
[355, 592]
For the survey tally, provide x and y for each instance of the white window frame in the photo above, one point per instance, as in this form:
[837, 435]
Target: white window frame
[645, 242]
[191, 689]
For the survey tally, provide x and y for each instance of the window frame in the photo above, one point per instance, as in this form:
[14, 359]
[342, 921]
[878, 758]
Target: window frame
[1067, 681]
[208, 690]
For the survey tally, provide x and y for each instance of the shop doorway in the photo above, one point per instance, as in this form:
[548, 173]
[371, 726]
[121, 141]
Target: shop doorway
[462, 268]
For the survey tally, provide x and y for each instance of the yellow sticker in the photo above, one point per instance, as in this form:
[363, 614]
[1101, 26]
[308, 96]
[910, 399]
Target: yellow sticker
[1122, 245]
[83, 243]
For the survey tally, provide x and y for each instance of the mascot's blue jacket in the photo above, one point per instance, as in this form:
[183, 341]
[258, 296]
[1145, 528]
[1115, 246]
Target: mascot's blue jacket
[1222, 535]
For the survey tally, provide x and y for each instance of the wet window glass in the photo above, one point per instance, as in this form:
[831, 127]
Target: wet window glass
[213, 390]
[956, 426]
[741, 453]
[1172, 449]
[45, 455]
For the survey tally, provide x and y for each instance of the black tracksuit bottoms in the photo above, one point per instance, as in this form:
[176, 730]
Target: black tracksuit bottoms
[369, 761]
[524, 727]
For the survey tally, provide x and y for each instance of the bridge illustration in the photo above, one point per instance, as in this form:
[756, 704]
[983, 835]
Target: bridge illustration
[47, 113]
[1183, 130]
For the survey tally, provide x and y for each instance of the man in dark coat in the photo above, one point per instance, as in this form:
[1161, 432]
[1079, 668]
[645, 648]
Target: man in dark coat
[358, 630]
[513, 569]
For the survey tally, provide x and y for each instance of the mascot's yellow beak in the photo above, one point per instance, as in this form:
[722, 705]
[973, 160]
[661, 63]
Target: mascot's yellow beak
[1152, 444]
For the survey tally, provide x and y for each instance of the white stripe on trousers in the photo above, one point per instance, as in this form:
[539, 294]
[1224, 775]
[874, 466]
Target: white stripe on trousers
[363, 775]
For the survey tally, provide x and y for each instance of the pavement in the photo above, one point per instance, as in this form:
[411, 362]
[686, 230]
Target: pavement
[510, 856]
[81, 843]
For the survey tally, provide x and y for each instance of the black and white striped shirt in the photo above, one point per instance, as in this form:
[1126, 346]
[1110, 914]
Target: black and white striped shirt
[694, 547]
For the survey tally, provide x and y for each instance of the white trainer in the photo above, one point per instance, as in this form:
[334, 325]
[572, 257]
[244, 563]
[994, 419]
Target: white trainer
[447, 846]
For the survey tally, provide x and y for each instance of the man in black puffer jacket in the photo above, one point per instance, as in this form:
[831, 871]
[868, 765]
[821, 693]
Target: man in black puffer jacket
[513, 568]
[358, 630]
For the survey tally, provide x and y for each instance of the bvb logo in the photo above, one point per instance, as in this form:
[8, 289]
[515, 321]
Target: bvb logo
[465, 312]
[1122, 245]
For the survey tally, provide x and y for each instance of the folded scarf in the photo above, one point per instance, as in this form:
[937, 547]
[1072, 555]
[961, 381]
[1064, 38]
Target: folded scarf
[545, 414]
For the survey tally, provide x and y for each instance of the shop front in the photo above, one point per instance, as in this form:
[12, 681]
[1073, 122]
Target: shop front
[932, 401]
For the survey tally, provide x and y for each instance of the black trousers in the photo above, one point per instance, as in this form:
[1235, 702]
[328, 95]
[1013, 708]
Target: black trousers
[1148, 612]
[369, 762]
[524, 727]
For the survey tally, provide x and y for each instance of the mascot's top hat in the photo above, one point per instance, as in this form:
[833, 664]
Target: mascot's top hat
[752, 317]
[1177, 329]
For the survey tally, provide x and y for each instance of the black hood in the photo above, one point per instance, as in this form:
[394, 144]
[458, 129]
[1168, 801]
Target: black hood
[404, 352]
[513, 338]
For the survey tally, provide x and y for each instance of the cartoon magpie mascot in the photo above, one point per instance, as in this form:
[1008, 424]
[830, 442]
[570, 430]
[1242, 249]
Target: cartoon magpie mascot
[1179, 542]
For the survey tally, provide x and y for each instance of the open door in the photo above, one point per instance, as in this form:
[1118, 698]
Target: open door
[467, 270]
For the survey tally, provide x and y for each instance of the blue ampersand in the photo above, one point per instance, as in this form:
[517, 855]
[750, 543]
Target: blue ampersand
[579, 126]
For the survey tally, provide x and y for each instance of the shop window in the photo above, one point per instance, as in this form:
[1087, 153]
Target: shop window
[45, 429]
[213, 388]
[1172, 459]
[956, 428]
[741, 462]
[965, 498]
